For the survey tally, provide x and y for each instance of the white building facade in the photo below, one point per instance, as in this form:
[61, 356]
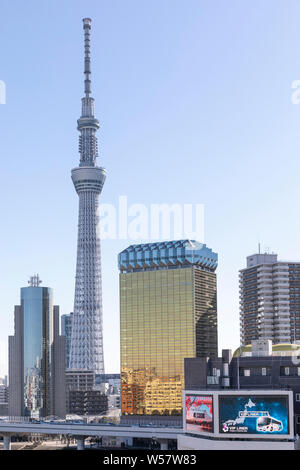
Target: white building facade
[269, 300]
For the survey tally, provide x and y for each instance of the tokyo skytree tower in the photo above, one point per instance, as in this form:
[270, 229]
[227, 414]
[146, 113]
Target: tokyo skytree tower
[87, 335]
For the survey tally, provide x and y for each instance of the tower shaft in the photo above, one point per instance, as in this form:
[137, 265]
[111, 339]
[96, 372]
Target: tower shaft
[86, 351]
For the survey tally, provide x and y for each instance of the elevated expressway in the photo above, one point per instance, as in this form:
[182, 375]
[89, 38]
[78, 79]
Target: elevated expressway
[82, 431]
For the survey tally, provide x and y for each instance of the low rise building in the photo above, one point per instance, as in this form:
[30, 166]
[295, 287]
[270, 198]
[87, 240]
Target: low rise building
[4, 400]
[87, 402]
[259, 366]
[3, 394]
[78, 380]
[114, 401]
[110, 383]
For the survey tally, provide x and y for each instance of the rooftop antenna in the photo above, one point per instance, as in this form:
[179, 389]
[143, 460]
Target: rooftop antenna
[34, 281]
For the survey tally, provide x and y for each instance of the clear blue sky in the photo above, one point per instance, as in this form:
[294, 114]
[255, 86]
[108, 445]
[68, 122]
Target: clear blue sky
[194, 99]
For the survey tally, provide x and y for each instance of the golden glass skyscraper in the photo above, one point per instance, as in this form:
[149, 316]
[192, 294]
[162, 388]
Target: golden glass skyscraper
[168, 311]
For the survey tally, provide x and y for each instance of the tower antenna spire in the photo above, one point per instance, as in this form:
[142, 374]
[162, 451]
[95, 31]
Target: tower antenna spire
[87, 124]
[87, 22]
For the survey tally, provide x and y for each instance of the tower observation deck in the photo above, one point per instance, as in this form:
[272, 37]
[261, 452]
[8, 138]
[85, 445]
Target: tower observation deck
[86, 351]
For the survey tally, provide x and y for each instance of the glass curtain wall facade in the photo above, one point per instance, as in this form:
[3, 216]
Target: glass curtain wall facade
[167, 313]
[38, 339]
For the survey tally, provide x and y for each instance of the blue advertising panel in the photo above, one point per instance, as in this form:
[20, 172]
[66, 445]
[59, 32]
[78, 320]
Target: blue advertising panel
[253, 414]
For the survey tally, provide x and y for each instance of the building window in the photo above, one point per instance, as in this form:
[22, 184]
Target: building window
[216, 372]
[297, 396]
[264, 371]
[298, 419]
[247, 372]
[212, 380]
[286, 371]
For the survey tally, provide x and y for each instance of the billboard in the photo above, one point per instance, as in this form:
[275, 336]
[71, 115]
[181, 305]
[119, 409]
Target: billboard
[199, 413]
[253, 414]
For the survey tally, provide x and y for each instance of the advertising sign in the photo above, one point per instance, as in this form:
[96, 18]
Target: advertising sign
[253, 414]
[199, 413]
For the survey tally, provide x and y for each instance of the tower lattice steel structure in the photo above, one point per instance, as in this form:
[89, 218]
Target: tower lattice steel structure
[87, 335]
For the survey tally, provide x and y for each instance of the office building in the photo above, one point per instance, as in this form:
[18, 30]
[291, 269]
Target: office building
[3, 394]
[3, 400]
[168, 311]
[66, 331]
[78, 381]
[86, 351]
[114, 401]
[36, 356]
[82, 398]
[270, 300]
[87, 402]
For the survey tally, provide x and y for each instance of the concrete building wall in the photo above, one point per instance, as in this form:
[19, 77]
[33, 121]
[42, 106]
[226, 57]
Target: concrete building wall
[59, 379]
[195, 372]
[66, 330]
[4, 409]
[59, 375]
[15, 366]
[197, 443]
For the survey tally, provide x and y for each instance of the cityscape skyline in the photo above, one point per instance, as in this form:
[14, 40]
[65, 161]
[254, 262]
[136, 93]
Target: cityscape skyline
[48, 246]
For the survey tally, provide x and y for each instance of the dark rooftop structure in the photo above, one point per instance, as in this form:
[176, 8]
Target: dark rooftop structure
[260, 366]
